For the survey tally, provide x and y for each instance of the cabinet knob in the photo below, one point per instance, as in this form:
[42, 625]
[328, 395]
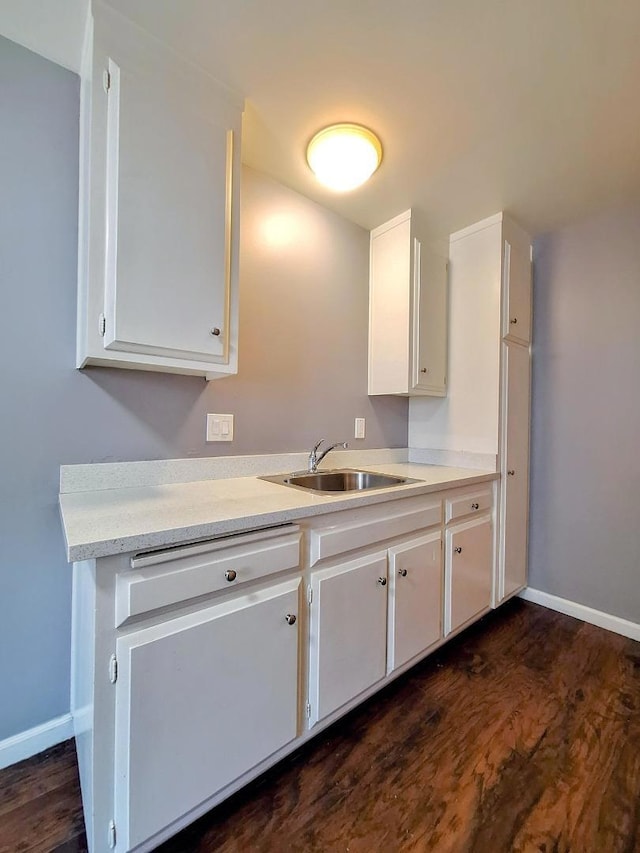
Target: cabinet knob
[382, 581]
[475, 506]
[458, 550]
[424, 370]
[230, 575]
[290, 619]
[402, 573]
[514, 321]
[511, 472]
[215, 331]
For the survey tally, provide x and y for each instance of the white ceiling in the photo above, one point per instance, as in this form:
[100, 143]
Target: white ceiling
[532, 106]
[54, 30]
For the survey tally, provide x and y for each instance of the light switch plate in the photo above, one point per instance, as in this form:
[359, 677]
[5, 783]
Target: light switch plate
[359, 429]
[219, 427]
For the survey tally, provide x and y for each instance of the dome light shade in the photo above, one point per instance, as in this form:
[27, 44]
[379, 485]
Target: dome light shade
[343, 156]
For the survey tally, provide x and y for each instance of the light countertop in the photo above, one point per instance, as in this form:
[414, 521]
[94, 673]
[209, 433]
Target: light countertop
[117, 520]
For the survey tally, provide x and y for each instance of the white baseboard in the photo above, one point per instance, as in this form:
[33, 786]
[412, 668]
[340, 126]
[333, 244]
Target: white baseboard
[35, 740]
[581, 611]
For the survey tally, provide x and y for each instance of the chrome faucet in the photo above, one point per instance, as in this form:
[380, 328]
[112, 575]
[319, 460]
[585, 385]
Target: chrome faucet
[315, 459]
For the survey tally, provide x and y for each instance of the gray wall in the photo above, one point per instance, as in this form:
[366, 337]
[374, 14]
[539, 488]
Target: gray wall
[304, 307]
[302, 366]
[585, 483]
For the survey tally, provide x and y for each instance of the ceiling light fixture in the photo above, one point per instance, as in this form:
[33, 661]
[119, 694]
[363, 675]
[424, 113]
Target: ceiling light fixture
[343, 156]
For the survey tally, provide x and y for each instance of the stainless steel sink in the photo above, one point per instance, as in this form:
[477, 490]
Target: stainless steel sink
[343, 480]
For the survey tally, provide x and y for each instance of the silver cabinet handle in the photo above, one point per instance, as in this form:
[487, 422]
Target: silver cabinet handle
[511, 472]
[402, 573]
[423, 370]
[230, 575]
[290, 619]
[215, 331]
[458, 550]
[475, 506]
[382, 581]
[514, 321]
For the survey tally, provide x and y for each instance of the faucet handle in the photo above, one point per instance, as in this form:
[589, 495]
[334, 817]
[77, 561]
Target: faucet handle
[316, 446]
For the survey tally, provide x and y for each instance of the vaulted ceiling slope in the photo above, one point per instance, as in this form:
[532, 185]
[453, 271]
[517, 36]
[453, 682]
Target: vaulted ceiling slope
[532, 106]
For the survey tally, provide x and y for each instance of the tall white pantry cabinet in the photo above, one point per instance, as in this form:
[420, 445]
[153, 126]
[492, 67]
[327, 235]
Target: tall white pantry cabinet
[493, 259]
[486, 412]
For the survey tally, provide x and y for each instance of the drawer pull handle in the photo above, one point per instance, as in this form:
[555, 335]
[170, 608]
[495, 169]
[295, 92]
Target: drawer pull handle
[514, 321]
[215, 332]
[458, 550]
[475, 506]
[290, 619]
[382, 581]
[423, 370]
[511, 472]
[402, 573]
[230, 575]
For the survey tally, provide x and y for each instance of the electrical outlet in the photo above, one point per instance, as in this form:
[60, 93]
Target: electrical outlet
[219, 427]
[359, 430]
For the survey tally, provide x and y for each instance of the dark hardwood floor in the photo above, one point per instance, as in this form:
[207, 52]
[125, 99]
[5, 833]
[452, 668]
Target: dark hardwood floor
[521, 735]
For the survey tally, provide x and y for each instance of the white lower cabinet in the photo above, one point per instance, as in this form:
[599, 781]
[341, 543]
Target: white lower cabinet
[468, 572]
[359, 632]
[415, 598]
[192, 665]
[200, 700]
[348, 632]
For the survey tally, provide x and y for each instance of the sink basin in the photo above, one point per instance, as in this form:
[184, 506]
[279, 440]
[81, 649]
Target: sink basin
[343, 480]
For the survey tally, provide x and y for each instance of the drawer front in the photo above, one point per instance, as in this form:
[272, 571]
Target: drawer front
[203, 569]
[395, 519]
[471, 503]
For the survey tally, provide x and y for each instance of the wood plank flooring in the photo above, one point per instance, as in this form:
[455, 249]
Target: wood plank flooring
[521, 735]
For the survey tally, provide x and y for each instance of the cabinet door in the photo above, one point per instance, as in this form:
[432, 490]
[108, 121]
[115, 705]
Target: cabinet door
[415, 598]
[468, 572]
[390, 306]
[168, 253]
[514, 487]
[200, 700]
[516, 289]
[429, 356]
[348, 632]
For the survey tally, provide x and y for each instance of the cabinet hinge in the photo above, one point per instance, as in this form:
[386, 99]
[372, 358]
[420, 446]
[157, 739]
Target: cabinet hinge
[111, 834]
[113, 669]
[308, 710]
[309, 594]
[102, 324]
[106, 80]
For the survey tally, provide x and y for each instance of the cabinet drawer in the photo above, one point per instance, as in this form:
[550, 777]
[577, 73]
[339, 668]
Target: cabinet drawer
[395, 519]
[471, 503]
[179, 574]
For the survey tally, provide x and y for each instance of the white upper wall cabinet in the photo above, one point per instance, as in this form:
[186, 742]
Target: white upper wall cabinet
[407, 312]
[159, 217]
[516, 284]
